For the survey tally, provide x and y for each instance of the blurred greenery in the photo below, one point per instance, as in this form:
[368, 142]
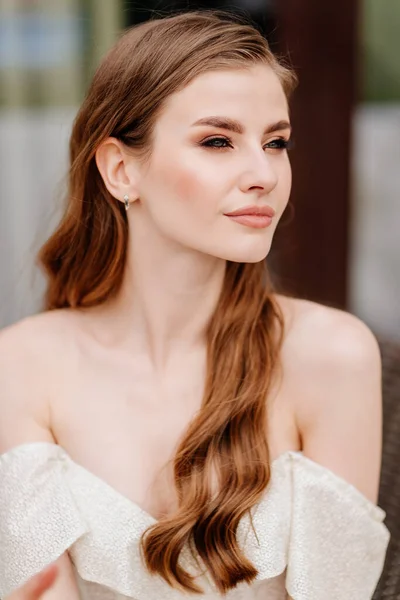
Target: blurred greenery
[83, 30]
[380, 51]
[49, 50]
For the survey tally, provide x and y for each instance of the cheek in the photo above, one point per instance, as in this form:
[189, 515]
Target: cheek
[182, 183]
[186, 186]
[285, 185]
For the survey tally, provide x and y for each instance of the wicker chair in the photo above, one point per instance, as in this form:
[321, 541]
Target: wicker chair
[389, 494]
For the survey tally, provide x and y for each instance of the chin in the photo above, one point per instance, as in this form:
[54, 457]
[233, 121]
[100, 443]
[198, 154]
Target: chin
[247, 255]
[248, 259]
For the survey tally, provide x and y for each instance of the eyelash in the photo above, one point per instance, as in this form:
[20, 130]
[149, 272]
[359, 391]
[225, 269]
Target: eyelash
[283, 143]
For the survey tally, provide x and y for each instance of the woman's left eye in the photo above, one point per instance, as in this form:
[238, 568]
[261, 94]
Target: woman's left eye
[280, 144]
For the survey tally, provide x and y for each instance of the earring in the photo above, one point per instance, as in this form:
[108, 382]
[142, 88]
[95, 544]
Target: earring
[126, 200]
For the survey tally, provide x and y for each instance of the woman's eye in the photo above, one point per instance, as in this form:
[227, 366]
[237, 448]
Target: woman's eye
[222, 142]
[280, 144]
[217, 142]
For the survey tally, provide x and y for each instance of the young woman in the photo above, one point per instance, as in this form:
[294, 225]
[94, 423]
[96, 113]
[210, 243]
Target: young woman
[170, 426]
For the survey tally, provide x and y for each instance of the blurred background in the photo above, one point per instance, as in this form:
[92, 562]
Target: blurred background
[338, 243]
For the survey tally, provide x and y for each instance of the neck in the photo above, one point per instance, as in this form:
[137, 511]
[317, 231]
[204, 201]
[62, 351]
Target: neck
[167, 299]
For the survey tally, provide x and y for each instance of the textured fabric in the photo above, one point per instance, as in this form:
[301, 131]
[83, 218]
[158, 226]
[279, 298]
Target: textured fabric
[317, 537]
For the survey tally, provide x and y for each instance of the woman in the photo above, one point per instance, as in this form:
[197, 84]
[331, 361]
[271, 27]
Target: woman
[170, 425]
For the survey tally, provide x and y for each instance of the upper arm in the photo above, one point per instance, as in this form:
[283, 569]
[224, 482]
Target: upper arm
[339, 407]
[24, 417]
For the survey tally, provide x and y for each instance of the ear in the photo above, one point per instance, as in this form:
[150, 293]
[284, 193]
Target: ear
[118, 169]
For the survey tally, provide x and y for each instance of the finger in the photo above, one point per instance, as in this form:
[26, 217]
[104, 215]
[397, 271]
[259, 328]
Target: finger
[40, 583]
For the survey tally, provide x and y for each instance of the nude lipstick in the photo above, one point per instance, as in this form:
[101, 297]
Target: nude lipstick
[258, 217]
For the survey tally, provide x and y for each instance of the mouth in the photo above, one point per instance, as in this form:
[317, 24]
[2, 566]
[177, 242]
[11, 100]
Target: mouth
[257, 211]
[250, 220]
[257, 217]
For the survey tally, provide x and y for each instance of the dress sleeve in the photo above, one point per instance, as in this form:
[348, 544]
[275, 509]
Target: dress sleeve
[39, 519]
[338, 540]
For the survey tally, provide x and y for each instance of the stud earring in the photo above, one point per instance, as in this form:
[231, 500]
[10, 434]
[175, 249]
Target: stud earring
[126, 200]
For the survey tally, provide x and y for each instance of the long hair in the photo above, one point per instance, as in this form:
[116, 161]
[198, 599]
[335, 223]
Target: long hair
[85, 259]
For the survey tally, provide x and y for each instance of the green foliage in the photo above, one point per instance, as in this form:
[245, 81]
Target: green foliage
[380, 51]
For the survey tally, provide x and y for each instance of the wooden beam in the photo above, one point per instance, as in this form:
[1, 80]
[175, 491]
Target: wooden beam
[311, 252]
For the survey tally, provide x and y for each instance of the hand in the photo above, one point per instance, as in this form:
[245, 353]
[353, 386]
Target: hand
[35, 588]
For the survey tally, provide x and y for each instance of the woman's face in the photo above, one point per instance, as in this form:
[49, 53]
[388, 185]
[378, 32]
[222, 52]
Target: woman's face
[220, 145]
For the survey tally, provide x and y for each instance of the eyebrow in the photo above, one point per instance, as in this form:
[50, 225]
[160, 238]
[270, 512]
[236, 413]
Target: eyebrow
[236, 126]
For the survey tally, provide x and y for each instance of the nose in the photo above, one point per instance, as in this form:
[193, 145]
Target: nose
[259, 174]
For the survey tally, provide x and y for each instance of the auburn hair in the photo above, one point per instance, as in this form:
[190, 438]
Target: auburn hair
[85, 259]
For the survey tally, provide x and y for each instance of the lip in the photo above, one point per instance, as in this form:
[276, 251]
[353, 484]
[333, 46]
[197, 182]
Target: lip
[255, 221]
[256, 211]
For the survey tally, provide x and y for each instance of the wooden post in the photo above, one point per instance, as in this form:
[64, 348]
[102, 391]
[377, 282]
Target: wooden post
[311, 251]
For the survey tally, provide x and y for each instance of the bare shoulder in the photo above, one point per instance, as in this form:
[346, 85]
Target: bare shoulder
[34, 354]
[332, 369]
[321, 336]
[35, 339]
[323, 346]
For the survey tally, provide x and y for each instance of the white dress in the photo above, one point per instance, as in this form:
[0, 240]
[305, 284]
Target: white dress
[319, 538]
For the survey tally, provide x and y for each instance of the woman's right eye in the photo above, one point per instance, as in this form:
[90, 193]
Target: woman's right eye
[217, 142]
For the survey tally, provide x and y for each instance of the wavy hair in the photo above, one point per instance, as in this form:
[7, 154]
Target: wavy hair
[85, 258]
